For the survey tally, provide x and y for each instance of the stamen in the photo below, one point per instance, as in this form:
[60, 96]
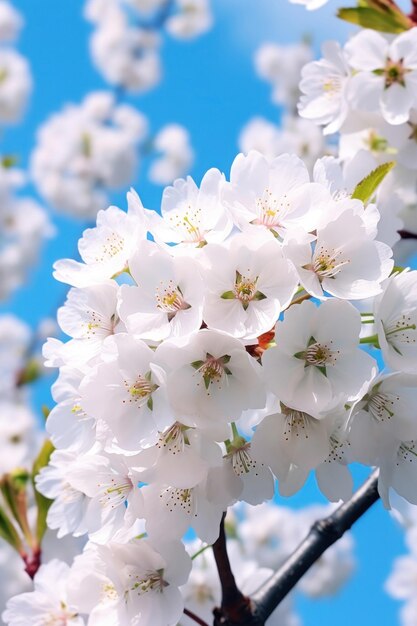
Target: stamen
[169, 298]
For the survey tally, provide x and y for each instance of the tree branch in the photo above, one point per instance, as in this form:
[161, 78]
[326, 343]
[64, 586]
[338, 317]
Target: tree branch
[235, 607]
[406, 234]
[322, 535]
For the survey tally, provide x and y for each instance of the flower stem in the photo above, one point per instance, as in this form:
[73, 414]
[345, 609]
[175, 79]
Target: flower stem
[372, 339]
[195, 617]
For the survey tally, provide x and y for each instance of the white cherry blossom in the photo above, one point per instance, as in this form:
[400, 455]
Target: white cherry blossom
[385, 74]
[317, 362]
[324, 85]
[341, 260]
[248, 283]
[122, 584]
[395, 312]
[167, 300]
[128, 393]
[272, 196]
[212, 378]
[192, 216]
[47, 603]
[106, 249]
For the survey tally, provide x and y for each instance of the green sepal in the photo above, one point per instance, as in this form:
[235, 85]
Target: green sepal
[42, 503]
[228, 295]
[8, 532]
[367, 187]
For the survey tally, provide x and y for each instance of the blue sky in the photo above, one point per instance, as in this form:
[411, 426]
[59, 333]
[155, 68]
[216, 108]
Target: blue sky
[209, 86]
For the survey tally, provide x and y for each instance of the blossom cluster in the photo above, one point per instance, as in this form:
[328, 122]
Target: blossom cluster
[88, 150]
[15, 75]
[126, 41]
[366, 91]
[239, 312]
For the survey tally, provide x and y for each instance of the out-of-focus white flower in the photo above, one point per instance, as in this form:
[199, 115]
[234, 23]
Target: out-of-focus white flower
[10, 22]
[126, 55]
[15, 85]
[173, 142]
[85, 151]
[193, 18]
[281, 66]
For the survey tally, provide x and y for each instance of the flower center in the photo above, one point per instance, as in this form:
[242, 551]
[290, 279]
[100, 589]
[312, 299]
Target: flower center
[271, 209]
[112, 246]
[394, 72]
[244, 290]
[115, 492]
[174, 439]
[170, 299]
[59, 619]
[179, 498]
[317, 354]
[151, 581]
[326, 263]
[140, 392]
[213, 370]
[239, 455]
[188, 223]
[332, 86]
[296, 423]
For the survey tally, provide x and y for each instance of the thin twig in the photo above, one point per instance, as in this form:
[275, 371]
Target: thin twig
[195, 617]
[322, 535]
[406, 234]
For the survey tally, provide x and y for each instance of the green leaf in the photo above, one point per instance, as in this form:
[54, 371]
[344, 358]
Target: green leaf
[42, 503]
[386, 21]
[8, 531]
[367, 187]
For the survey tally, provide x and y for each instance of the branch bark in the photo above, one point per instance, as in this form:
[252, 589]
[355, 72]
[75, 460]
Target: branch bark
[323, 534]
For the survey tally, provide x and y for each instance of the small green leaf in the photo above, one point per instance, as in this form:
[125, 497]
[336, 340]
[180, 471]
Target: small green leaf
[42, 503]
[386, 21]
[367, 187]
[8, 531]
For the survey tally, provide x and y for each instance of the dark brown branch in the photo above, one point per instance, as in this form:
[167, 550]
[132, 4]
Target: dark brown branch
[235, 607]
[195, 617]
[406, 234]
[322, 535]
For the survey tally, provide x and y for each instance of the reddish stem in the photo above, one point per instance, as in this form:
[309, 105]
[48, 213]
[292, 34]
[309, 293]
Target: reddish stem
[195, 617]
